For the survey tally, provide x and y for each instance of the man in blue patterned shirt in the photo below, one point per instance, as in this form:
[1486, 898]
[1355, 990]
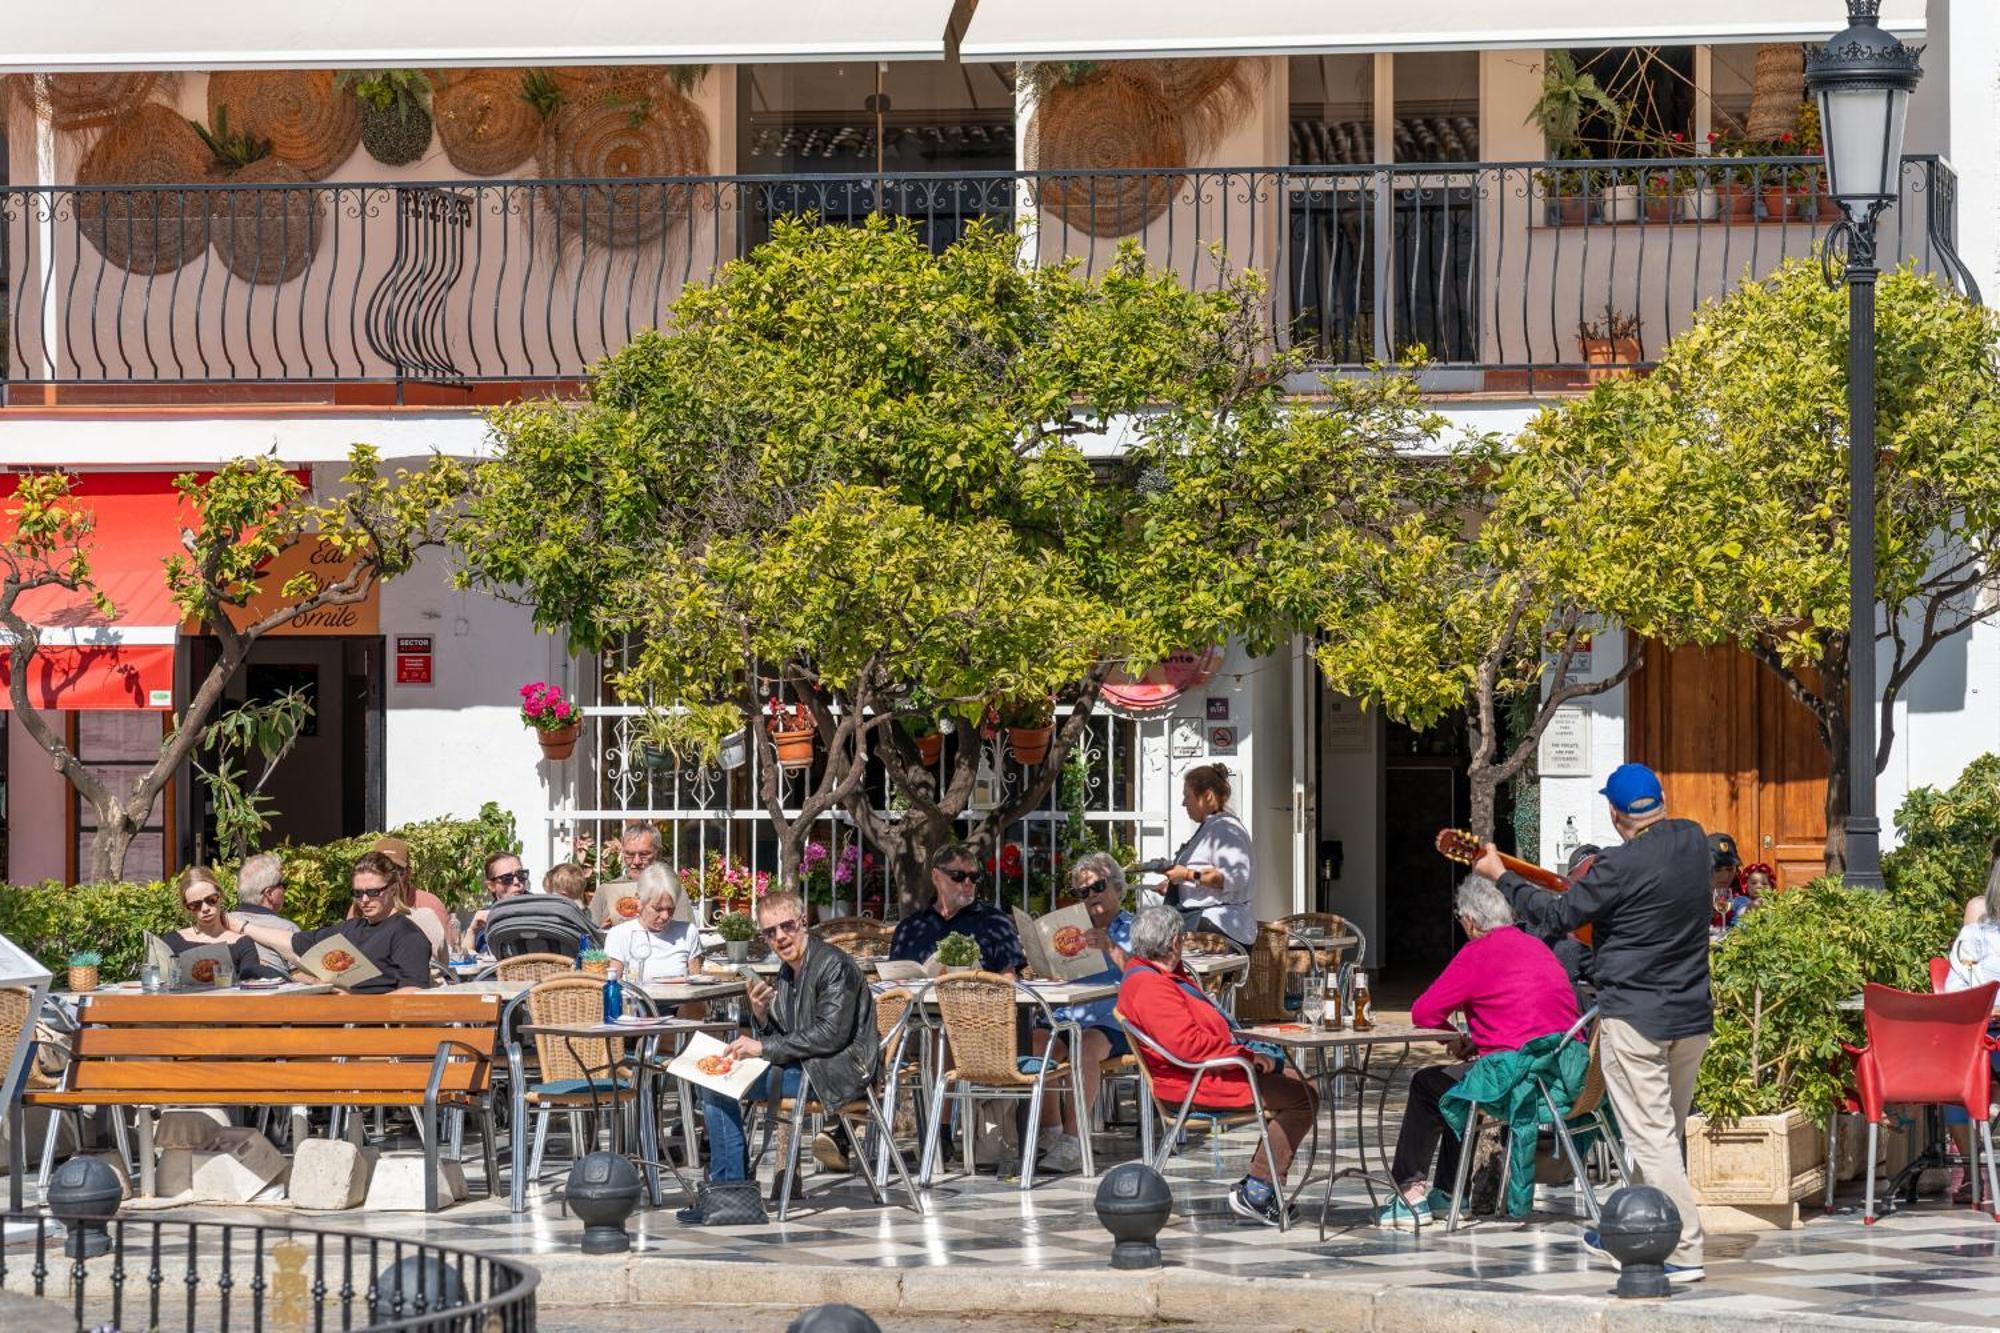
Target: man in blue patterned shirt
[955, 908]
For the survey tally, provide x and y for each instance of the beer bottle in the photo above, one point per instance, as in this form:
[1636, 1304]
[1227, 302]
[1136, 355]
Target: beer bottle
[1364, 1010]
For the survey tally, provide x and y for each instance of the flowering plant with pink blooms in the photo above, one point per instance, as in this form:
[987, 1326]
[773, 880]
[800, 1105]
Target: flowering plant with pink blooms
[544, 708]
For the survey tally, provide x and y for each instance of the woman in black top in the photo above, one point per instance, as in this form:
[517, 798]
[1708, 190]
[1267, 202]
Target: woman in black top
[201, 895]
[380, 929]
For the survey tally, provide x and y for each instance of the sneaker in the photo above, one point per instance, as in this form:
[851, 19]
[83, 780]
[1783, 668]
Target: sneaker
[1680, 1273]
[689, 1216]
[1440, 1203]
[1594, 1244]
[1401, 1215]
[1065, 1153]
[1268, 1213]
[828, 1154]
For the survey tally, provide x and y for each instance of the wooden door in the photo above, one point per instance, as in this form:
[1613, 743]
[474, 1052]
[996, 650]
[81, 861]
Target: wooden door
[1735, 753]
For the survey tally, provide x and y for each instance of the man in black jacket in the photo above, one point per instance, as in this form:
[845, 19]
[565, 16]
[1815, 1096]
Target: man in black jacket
[819, 1019]
[1647, 902]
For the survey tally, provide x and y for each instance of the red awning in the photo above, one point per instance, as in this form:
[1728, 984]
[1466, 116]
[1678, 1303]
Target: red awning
[89, 660]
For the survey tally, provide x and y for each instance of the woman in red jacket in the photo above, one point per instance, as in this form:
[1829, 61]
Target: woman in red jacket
[1160, 998]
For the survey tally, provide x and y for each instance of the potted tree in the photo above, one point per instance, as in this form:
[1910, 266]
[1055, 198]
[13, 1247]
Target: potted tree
[552, 718]
[737, 930]
[958, 952]
[1609, 344]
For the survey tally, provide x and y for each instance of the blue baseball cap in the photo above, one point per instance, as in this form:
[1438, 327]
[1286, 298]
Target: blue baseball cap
[1634, 789]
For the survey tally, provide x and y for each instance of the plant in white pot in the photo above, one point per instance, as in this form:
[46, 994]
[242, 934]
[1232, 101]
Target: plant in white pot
[958, 952]
[737, 930]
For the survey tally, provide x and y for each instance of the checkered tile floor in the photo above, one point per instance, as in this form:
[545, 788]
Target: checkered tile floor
[1931, 1263]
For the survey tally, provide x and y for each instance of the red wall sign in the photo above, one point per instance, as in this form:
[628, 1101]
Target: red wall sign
[413, 659]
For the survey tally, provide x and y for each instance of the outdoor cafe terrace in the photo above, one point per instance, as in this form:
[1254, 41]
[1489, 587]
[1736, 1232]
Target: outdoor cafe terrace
[1523, 276]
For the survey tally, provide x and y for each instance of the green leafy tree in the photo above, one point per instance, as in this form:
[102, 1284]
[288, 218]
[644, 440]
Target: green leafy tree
[266, 730]
[245, 514]
[853, 473]
[1743, 428]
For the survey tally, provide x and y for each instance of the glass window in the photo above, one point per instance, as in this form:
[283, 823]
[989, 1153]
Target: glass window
[821, 119]
[119, 746]
[1437, 106]
[1333, 110]
[1732, 77]
[1655, 83]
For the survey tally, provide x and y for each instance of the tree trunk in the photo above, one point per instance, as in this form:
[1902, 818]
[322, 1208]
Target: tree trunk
[109, 845]
[1485, 791]
[1837, 759]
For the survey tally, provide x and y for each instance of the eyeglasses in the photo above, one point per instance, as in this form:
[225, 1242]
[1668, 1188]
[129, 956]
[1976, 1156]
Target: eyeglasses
[960, 876]
[511, 877]
[1090, 886]
[371, 894]
[790, 927]
[200, 903]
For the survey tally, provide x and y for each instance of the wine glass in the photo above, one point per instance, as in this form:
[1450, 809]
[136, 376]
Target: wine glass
[637, 952]
[1313, 1005]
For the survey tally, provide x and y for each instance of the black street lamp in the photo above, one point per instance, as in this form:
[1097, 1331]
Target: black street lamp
[1863, 79]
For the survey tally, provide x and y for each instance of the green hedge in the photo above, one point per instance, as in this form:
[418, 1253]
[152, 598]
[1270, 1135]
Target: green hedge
[52, 920]
[1780, 975]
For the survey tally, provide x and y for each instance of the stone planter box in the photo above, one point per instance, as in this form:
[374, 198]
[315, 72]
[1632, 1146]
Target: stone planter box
[1768, 1161]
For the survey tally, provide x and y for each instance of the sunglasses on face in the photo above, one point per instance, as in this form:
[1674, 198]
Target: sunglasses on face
[371, 894]
[960, 876]
[1090, 886]
[781, 928]
[195, 905]
[511, 877]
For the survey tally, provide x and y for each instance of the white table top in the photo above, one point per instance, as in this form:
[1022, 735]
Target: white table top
[1215, 964]
[1301, 1036]
[671, 992]
[1055, 992]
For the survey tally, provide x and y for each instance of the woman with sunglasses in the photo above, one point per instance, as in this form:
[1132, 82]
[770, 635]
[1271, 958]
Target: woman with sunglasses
[201, 898]
[1101, 883]
[381, 930]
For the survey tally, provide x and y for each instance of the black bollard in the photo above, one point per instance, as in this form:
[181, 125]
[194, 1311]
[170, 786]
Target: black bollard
[1133, 1203]
[85, 1194]
[1640, 1229]
[603, 1190]
[833, 1318]
[417, 1285]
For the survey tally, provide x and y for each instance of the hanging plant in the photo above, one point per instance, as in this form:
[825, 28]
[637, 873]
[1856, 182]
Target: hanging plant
[232, 150]
[395, 113]
[541, 90]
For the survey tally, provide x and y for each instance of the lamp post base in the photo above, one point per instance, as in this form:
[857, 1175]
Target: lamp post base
[1864, 855]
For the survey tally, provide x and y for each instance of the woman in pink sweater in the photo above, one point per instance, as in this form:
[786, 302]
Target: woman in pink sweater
[1511, 989]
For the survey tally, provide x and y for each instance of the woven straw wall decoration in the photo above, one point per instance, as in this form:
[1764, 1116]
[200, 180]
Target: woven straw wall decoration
[311, 124]
[1212, 96]
[267, 236]
[75, 102]
[144, 231]
[612, 133]
[1108, 120]
[487, 127]
[1778, 88]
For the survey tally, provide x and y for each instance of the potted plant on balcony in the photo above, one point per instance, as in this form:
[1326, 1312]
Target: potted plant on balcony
[792, 732]
[552, 718]
[737, 930]
[1664, 187]
[1030, 722]
[1610, 343]
[1567, 195]
[925, 734]
[395, 112]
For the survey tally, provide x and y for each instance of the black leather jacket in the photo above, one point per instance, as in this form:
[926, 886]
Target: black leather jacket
[823, 1017]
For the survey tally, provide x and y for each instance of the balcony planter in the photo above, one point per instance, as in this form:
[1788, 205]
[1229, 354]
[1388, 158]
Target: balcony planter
[795, 748]
[1608, 357]
[559, 744]
[735, 750]
[1702, 203]
[1621, 203]
[1030, 745]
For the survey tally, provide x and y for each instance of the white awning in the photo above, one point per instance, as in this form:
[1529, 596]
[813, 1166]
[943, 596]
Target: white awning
[1069, 30]
[42, 37]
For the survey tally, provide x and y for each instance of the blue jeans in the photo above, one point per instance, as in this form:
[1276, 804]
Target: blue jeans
[728, 1152]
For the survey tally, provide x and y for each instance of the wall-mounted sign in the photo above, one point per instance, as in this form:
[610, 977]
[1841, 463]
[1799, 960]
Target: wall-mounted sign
[413, 659]
[1565, 748]
[1222, 740]
[1218, 708]
[309, 555]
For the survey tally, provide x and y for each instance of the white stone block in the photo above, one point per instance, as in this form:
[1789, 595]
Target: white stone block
[331, 1173]
[242, 1163]
[398, 1185]
[190, 1127]
[454, 1176]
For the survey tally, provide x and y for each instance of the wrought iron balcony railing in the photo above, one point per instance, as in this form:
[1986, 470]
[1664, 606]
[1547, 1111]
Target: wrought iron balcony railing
[1493, 268]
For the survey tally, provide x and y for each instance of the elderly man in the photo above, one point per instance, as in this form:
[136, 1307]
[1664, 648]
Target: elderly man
[954, 908]
[1160, 999]
[1101, 882]
[260, 892]
[1511, 988]
[505, 878]
[818, 1020]
[1648, 903]
[653, 946]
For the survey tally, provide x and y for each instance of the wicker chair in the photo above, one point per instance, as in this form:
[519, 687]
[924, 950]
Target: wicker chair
[532, 967]
[977, 1010]
[576, 1075]
[893, 1015]
[857, 936]
[1275, 965]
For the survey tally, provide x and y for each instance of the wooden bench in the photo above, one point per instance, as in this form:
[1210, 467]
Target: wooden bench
[424, 1050]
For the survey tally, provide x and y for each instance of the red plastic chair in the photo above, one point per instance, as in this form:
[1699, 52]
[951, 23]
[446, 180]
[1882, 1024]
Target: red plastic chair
[1928, 1050]
[1940, 970]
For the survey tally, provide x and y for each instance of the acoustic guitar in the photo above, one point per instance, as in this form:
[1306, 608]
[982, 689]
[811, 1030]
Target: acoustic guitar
[1460, 846]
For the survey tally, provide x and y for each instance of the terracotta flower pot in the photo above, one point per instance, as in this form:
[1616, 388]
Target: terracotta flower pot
[930, 747]
[559, 744]
[795, 748]
[1608, 357]
[1739, 201]
[1030, 745]
[1659, 207]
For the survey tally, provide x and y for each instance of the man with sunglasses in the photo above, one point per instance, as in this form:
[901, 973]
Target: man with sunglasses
[505, 879]
[956, 908]
[819, 1019]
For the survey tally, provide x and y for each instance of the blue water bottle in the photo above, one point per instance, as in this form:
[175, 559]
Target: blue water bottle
[614, 999]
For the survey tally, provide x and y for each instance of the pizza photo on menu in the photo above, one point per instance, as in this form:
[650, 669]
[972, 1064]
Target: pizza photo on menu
[717, 1065]
[338, 962]
[1058, 946]
[707, 1063]
[1069, 941]
[628, 906]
